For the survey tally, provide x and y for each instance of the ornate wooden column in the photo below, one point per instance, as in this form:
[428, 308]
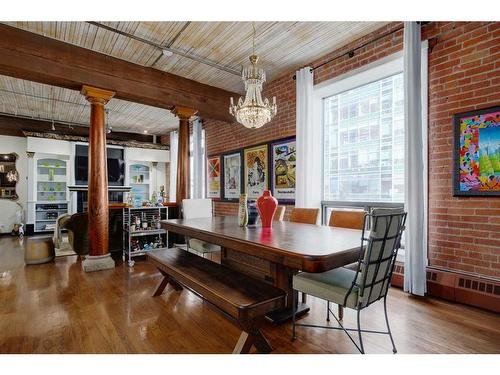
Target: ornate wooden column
[184, 114]
[98, 214]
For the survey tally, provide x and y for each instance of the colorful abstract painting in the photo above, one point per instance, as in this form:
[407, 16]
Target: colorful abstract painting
[283, 154]
[213, 177]
[478, 152]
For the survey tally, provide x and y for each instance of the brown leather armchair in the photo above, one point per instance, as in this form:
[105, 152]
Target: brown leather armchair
[77, 227]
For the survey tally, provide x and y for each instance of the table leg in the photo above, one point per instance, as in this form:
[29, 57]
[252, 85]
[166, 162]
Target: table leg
[284, 280]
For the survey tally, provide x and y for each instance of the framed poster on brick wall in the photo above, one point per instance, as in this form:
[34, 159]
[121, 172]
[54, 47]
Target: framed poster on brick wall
[256, 170]
[213, 177]
[232, 175]
[283, 155]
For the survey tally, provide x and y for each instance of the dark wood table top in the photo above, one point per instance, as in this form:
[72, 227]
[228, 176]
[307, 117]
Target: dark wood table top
[311, 248]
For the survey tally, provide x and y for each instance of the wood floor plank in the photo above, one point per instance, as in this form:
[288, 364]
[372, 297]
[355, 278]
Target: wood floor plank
[58, 308]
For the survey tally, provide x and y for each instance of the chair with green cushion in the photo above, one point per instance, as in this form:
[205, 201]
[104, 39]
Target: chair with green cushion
[358, 289]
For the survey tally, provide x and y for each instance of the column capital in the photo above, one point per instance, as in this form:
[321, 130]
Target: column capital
[184, 113]
[96, 95]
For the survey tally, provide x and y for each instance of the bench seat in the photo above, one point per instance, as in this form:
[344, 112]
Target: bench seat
[244, 299]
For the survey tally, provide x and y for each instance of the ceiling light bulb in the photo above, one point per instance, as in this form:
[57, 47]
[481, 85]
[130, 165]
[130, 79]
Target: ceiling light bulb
[145, 132]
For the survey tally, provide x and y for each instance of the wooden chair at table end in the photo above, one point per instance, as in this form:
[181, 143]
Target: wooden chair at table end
[305, 215]
[351, 219]
[280, 213]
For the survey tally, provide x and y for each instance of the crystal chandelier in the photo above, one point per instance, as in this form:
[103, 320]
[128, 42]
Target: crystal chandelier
[253, 112]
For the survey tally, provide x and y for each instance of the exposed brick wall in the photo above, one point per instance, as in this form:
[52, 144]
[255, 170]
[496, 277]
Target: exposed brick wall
[464, 74]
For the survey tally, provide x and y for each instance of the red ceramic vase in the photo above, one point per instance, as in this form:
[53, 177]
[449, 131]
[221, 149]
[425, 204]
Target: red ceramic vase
[267, 204]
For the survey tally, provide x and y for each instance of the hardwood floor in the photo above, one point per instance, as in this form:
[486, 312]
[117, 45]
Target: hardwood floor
[58, 308]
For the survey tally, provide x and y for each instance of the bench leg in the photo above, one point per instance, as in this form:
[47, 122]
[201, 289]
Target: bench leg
[261, 343]
[163, 284]
[244, 343]
[255, 338]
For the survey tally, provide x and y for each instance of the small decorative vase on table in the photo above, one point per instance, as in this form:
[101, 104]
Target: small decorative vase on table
[242, 211]
[267, 205]
[253, 213]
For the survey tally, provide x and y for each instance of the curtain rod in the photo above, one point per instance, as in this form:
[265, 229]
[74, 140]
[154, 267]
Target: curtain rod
[350, 53]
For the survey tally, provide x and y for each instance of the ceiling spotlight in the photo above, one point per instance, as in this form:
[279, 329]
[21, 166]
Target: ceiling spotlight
[167, 53]
[145, 132]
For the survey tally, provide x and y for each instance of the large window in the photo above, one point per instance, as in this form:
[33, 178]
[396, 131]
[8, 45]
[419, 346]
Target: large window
[364, 142]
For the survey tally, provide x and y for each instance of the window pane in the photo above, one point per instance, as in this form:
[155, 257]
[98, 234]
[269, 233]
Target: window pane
[364, 143]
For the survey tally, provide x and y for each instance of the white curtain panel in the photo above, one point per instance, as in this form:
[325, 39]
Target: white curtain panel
[174, 146]
[308, 136]
[415, 180]
[197, 170]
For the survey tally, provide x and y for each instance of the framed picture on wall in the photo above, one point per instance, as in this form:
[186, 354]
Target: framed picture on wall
[256, 170]
[477, 153]
[213, 177]
[232, 176]
[283, 161]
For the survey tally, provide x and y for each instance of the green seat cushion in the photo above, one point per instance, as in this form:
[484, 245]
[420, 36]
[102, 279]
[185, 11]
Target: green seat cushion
[202, 246]
[332, 285]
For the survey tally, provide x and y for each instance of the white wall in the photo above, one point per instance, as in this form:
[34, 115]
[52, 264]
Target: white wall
[8, 208]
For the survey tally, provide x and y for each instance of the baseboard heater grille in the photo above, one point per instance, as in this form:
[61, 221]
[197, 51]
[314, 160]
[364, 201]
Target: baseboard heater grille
[457, 287]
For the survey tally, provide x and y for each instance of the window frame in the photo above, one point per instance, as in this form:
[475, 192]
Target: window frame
[375, 71]
[378, 70]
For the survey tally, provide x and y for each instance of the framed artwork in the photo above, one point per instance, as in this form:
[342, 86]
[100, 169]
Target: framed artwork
[256, 171]
[283, 161]
[477, 153]
[213, 177]
[232, 176]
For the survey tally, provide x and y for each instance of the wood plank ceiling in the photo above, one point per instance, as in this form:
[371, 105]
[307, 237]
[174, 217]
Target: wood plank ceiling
[38, 101]
[208, 52]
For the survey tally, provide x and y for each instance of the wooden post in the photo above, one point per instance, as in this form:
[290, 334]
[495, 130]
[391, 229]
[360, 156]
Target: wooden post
[182, 190]
[98, 214]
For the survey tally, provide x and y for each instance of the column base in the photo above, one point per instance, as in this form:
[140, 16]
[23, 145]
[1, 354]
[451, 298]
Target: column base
[98, 263]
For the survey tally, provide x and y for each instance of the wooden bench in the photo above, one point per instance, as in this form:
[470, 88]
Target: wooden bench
[241, 298]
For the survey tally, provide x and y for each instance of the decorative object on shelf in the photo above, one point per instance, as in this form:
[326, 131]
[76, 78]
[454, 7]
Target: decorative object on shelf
[8, 176]
[267, 205]
[283, 161]
[256, 170]
[12, 176]
[154, 198]
[51, 174]
[253, 213]
[477, 153]
[243, 211]
[213, 177]
[232, 176]
[253, 112]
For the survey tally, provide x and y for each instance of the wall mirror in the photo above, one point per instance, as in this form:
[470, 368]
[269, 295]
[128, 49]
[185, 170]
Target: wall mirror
[8, 176]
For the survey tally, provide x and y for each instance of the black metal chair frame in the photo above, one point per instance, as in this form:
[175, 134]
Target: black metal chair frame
[369, 218]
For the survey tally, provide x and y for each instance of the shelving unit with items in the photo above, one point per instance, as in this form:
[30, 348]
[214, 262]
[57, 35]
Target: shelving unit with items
[50, 192]
[140, 182]
[142, 231]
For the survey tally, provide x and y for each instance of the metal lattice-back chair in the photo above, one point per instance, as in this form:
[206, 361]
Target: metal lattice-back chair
[369, 282]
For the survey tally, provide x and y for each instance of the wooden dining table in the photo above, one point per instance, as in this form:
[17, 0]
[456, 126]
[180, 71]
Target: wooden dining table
[274, 254]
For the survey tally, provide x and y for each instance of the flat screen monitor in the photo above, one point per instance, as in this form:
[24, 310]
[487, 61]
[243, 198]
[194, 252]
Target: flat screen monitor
[116, 165]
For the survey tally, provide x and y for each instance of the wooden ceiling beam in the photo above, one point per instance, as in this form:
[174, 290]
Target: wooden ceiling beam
[37, 58]
[14, 126]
